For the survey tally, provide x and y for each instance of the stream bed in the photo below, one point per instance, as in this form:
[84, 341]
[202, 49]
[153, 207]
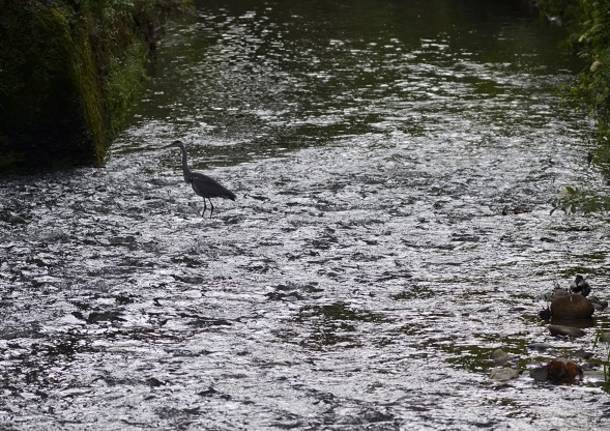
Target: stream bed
[396, 165]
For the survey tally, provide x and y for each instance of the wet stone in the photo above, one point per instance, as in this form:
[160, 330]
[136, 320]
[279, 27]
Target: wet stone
[500, 357]
[598, 303]
[583, 354]
[11, 217]
[504, 374]
[566, 331]
[541, 347]
[104, 316]
[154, 382]
[540, 374]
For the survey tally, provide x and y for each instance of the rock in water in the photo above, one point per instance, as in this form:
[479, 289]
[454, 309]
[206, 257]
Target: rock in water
[567, 331]
[504, 374]
[598, 303]
[571, 307]
[563, 372]
[540, 374]
[500, 357]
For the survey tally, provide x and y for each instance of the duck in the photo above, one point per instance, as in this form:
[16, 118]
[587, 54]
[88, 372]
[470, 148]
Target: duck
[570, 304]
[580, 285]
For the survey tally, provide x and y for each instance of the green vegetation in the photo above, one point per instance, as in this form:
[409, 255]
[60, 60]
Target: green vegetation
[583, 200]
[606, 368]
[601, 337]
[69, 72]
[588, 25]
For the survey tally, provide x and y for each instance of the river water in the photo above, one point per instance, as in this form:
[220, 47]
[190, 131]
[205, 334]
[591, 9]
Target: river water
[395, 166]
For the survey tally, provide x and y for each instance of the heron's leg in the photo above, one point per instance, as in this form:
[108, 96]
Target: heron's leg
[211, 207]
[204, 208]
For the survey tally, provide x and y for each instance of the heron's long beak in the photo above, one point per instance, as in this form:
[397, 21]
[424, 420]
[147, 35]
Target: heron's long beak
[173, 144]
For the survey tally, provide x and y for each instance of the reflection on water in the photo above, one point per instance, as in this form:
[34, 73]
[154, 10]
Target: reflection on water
[395, 165]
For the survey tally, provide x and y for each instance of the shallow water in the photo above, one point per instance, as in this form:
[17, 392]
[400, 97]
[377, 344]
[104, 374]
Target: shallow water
[396, 166]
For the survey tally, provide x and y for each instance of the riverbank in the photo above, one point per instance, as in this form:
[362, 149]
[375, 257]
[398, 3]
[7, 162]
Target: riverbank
[70, 72]
[587, 25]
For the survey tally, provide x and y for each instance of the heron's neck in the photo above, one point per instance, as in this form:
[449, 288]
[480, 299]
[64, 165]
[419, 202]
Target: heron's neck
[185, 167]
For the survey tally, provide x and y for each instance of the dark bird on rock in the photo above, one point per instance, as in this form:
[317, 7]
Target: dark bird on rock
[204, 186]
[573, 304]
[580, 285]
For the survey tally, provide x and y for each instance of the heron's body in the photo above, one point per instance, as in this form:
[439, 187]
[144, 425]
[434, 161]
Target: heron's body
[208, 187]
[203, 185]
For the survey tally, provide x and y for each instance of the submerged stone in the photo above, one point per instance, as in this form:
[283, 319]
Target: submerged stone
[568, 331]
[558, 371]
[540, 374]
[598, 303]
[500, 357]
[541, 347]
[503, 374]
[561, 371]
[571, 307]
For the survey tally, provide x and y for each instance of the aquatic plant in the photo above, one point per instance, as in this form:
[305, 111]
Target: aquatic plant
[600, 336]
[588, 24]
[606, 368]
[574, 199]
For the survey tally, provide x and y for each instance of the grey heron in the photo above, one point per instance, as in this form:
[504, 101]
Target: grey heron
[204, 186]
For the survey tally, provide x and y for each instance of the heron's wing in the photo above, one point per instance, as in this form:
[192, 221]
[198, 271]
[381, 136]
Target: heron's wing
[208, 187]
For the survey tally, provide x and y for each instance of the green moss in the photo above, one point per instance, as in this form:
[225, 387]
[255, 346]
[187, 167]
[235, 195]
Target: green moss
[588, 31]
[587, 24]
[124, 83]
[91, 99]
[38, 100]
[69, 73]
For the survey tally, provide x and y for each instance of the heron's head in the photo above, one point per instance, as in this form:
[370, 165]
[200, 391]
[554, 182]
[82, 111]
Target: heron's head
[177, 143]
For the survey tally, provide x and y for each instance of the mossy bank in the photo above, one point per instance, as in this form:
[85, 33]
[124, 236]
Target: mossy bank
[69, 72]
